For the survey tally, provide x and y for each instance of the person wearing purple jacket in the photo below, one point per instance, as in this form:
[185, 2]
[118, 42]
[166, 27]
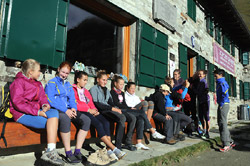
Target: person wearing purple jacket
[204, 103]
[29, 106]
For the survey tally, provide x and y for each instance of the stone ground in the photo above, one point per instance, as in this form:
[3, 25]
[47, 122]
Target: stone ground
[156, 149]
[238, 156]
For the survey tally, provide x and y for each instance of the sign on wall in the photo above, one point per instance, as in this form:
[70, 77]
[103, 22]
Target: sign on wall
[165, 14]
[223, 58]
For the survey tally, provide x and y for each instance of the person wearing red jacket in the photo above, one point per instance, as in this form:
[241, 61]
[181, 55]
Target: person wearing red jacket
[30, 107]
[86, 106]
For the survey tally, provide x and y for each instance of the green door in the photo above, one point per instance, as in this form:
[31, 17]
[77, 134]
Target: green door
[36, 29]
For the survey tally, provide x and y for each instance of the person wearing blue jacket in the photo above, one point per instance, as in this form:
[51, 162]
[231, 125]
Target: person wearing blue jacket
[61, 96]
[222, 88]
[174, 111]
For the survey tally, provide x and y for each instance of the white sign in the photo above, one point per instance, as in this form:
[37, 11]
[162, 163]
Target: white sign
[171, 68]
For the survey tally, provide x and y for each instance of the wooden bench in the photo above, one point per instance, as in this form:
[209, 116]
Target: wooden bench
[18, 135]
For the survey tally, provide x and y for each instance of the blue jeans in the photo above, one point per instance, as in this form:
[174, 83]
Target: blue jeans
[38, 122]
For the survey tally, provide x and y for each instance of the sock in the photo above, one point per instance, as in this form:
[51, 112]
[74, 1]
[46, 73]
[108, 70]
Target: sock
[77, 151]
[51, 146]
[69, 153]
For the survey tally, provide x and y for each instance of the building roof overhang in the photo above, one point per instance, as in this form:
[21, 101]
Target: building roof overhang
[227, 17]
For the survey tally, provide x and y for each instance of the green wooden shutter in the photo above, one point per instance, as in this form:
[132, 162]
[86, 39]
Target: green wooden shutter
[191, 9]
[211, 78]
[38, 30]
[4, 10]
[232, 49]
[245, 58]
[200, 62]
[246, 90]
[241, 90]
[153, 56]
[183, 60]
[218, 35]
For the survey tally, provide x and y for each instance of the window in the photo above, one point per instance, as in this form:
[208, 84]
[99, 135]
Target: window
[93, 41]
[246, 90]
[191, 6]
[245, 58]
[228, 79]
[226, 43]
[218, 34]
[233, 86]
[153, 56]
[210, 26]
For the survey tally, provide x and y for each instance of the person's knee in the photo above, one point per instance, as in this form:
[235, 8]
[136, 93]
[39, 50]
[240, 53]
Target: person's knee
[144, 103]
[52, 113]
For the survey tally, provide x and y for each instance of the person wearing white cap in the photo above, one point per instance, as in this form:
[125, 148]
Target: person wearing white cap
[160, 115]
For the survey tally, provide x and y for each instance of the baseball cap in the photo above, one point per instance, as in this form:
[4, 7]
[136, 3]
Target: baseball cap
[165, 87]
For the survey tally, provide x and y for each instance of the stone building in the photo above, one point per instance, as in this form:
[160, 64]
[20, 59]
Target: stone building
[144, 40]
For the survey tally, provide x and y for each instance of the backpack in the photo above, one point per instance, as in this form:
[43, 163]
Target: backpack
[5, 114]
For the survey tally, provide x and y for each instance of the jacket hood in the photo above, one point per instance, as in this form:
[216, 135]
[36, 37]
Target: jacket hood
[221, 80]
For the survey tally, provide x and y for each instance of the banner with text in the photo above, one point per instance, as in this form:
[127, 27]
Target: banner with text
[222, 58]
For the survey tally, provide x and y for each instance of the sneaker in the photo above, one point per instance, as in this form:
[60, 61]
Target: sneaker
[129, 147]
[203, 136]
[232, 144]
[52, 157]
[172, 141]
[225, 148]
[72, 159]
[157, 135]
[112, 156]
[119, 154]
[141, 146]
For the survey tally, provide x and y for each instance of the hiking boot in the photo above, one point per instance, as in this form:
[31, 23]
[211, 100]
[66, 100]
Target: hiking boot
[52, 157]
[157, 135]
[179, 137]
[129, 147]
[172, 141]
[98, 159]
[203, 136]
[119, 154]
[225, 148]
[72, 159]
[108, 155]
[141, 146]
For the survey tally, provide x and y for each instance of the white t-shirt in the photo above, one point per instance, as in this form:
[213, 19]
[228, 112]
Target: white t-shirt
[131, 100]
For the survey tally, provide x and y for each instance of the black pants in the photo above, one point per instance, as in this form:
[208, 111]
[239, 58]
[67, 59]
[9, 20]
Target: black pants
[141, 121]
[168, 125]
[120, 119]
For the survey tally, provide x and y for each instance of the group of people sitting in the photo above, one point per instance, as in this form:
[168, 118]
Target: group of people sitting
[61, 103]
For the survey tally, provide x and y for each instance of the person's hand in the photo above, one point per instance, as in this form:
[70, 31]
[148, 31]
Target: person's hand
[187, 84]
[46, 107]
[97, 113]
[117, 110]
[168, 117]
[71, 114]
[133, 108]
[92, 111]
[42, 113]
[74, 112]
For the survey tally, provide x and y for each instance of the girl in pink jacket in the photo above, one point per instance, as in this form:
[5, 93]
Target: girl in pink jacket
[30, 107]
[86, 106]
